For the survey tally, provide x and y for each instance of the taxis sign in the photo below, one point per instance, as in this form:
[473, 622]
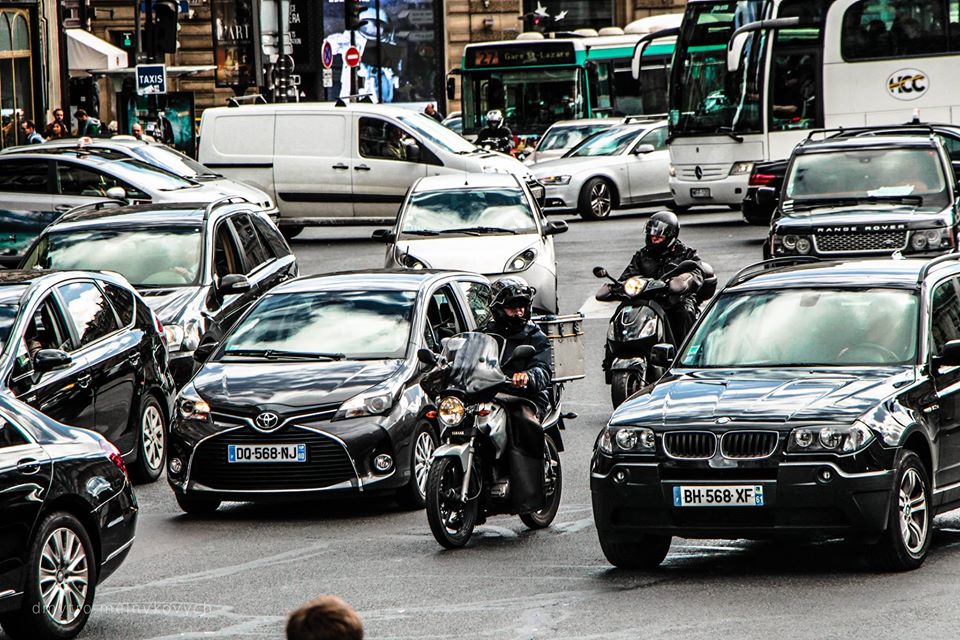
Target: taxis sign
[908, 84]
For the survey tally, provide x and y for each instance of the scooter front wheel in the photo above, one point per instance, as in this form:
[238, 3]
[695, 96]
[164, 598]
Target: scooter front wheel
[553, 481]
[451, 519]
[624, 384]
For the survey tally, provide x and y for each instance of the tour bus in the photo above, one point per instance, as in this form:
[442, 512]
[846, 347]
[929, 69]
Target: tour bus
[536, 82]
[797, 65]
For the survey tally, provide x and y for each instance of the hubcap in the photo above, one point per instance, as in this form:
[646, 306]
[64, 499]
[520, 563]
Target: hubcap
[600, 199]
[422, 452]
[63, 576]
[153, 437]
[914, 520]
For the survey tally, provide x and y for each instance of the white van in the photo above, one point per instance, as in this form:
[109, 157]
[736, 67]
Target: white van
[347, 163]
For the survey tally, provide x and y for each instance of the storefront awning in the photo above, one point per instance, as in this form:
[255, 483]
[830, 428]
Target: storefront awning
[86, 52]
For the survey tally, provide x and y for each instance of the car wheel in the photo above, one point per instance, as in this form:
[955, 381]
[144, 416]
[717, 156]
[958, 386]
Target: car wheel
[291, 231]
[647, 552]
[61, 580]
[197, 506]
[678, 208]
[151, 441]
[624, 384]
[424, 441]
[905, 543]
[596, 199]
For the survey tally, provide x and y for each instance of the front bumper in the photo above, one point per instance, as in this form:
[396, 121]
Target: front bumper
[726, 191]
[562, 198]
[797, 500]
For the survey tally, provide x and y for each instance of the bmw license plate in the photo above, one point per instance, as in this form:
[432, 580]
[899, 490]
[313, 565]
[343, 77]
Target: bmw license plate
[700, 193]
[266, 453]
[718, 496]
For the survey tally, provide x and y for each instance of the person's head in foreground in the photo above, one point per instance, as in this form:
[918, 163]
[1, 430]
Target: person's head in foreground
[325, 618]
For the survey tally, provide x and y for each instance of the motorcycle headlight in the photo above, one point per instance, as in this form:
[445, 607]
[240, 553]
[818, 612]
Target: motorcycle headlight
[831, 439]
[556, 180]
[451, 411]
[181, 337]
[373, 402]
[521, 261]
[634, 286]
[741, 168]
[191, 406]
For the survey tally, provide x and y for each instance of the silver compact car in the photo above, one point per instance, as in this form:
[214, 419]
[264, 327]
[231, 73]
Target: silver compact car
[627, 165]
[484, 223]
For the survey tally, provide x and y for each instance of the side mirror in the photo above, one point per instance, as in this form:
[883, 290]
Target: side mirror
[767, 196]
[427, 357]
[46, 360]
[117, 193]
[385, 236]
[950, 356]
[643, 149]
[556, 226]
[413, 152]
[234, 283]
[663, 355]
[735, 50]
[539, 194]
[600, 272]
[451, 88]
[523, 352]
[204, 349]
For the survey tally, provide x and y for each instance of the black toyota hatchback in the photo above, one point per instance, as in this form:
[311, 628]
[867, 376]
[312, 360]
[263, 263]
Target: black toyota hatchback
[820, 399]
[69, 517]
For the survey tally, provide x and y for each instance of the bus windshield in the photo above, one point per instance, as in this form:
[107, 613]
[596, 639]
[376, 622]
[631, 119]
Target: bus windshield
[531, 100]
[705, 98]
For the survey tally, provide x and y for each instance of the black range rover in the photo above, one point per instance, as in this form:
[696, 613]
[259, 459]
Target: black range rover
[820, 399]
[866, 196]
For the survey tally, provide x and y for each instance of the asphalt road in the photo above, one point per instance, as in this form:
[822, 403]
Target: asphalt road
[237, 574]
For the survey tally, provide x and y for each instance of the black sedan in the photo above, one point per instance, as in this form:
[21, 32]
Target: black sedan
[199, 267]
[315, 391]
[69, 519]
[86, 350]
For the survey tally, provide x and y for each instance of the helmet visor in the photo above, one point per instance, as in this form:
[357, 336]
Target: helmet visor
[658, 229]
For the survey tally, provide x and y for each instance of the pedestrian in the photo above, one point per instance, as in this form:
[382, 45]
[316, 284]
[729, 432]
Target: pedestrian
[325, 618]
[431, 111]
[137, 131]
[30, 134]
[54, 130]
[58, 118]
[86, 125]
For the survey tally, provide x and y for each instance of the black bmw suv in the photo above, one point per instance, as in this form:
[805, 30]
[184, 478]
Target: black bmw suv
[816, 398]
[866, 196]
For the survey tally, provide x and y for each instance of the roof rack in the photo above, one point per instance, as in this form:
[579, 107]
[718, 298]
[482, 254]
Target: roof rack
[93, 206]
[221, 202]
[360, 98]
[749, 271]
[653, 117]
[255, 98]
[910, 126]
[925, 270]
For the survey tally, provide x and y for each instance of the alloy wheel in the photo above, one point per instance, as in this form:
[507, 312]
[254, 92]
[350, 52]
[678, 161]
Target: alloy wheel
[422, 453]
[600, 199]
[153, 444]
[914, 518]
[63, 576]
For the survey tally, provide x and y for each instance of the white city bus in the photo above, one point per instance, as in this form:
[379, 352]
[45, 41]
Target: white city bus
[797, 65]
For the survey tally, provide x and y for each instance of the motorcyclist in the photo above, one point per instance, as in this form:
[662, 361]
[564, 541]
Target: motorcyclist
[497, 132]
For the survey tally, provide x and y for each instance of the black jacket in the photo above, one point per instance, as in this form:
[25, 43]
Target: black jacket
[539, 368]
[648, 265]
[501, 135]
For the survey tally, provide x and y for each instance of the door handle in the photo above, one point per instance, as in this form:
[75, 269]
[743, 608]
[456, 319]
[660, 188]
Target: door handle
[84, 381]
[361, 167]
[28, 466]
[340, 166]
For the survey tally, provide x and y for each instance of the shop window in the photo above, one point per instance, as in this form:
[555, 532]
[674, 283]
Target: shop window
[16, 75]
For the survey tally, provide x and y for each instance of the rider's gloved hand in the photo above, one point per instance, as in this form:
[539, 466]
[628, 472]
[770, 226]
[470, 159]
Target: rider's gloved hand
[681, 283]
[521, 380]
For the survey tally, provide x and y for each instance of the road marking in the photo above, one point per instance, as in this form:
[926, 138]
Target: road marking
[593, 309]
[575, 526]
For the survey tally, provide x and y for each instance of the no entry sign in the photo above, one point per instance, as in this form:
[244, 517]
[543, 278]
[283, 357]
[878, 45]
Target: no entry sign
[352, 57]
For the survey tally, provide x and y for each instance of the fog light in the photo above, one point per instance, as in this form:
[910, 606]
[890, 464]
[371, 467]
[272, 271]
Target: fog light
[176, 466]
[383, 463]
[620, 476]
[826, 475]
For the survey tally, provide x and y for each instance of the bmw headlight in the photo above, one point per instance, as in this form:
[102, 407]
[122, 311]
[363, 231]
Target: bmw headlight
[741, 168]
[373, 402]
[181, 337]
[191, 406]
[555, 180]
[634, 286]
[451, 411]
[830, 439]
[627, 440]
[521, 261]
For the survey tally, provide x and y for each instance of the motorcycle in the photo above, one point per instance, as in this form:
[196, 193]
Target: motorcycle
[470, 472]
[497, 145]
[639, 323]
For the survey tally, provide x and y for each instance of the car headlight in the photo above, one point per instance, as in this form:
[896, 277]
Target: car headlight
[555, 180]
[605, 441]
[929, 238]
[521, 261]
[451, 411]
[832, 439]
[672, 170]
[627, 439]
[634, 286]
[741, 168]
[191, 406]
[790, 242]
[373, 402]
[181, 337]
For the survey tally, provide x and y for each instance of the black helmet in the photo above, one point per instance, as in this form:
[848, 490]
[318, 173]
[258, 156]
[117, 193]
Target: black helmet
[509, 293]
[662, 225]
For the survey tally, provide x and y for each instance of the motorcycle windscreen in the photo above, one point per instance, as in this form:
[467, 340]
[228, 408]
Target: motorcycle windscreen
[633, 324]
[474, 362]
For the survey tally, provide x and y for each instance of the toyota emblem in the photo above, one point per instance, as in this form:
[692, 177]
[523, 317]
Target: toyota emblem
[267, 421]
[698, 172]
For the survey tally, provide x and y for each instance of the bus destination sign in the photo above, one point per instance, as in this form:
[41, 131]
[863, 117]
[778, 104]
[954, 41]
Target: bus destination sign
[527, 54]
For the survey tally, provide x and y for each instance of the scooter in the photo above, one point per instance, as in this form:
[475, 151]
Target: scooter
[470, 472]
[639, 323]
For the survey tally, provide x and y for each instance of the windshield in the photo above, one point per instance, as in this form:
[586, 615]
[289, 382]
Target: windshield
[494, 210]
[172, 161]
[359, 325]
[531, 100]
[807, 327]
[567, 137]
[704, 97]
[608, 143]
[436, 133]
[474, 362]
[868, 173]
[147, 176]
[146, 257]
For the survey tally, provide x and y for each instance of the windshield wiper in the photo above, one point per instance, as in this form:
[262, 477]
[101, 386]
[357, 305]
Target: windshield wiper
[420, 232]
[728, 131]
[816, 203]
[479, 230]
[280, 354]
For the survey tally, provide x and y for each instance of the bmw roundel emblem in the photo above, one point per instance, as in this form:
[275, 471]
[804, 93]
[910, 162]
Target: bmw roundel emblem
[723, 420]
[267, 421]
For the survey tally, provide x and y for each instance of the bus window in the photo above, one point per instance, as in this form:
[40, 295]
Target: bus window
[882, 29]
[646, 97]
[795, 68]
[531, 100]
[601, 101]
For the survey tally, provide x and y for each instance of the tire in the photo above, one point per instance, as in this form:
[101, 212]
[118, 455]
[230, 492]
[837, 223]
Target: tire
[646, 553]
[41, 617]
[197, 506]
[678, 208]
[904, 545]
[443, 489]
[291, 231]
[544, 518]
[624, 384]
[596, 199]
[151, 441]
[423, 443]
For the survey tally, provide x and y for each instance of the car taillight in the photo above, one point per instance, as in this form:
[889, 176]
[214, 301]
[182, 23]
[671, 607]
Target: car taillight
[762, 179]
[114, 454]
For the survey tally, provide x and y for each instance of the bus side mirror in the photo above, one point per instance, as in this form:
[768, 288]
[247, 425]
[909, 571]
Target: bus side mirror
[451, 88]
[735, 50]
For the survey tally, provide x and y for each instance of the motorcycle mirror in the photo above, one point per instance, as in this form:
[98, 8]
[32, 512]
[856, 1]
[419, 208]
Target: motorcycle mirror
[426, 356]
[523, 352]
[600, 272]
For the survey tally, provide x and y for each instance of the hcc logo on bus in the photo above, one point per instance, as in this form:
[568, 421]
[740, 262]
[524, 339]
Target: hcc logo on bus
[908, 84]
